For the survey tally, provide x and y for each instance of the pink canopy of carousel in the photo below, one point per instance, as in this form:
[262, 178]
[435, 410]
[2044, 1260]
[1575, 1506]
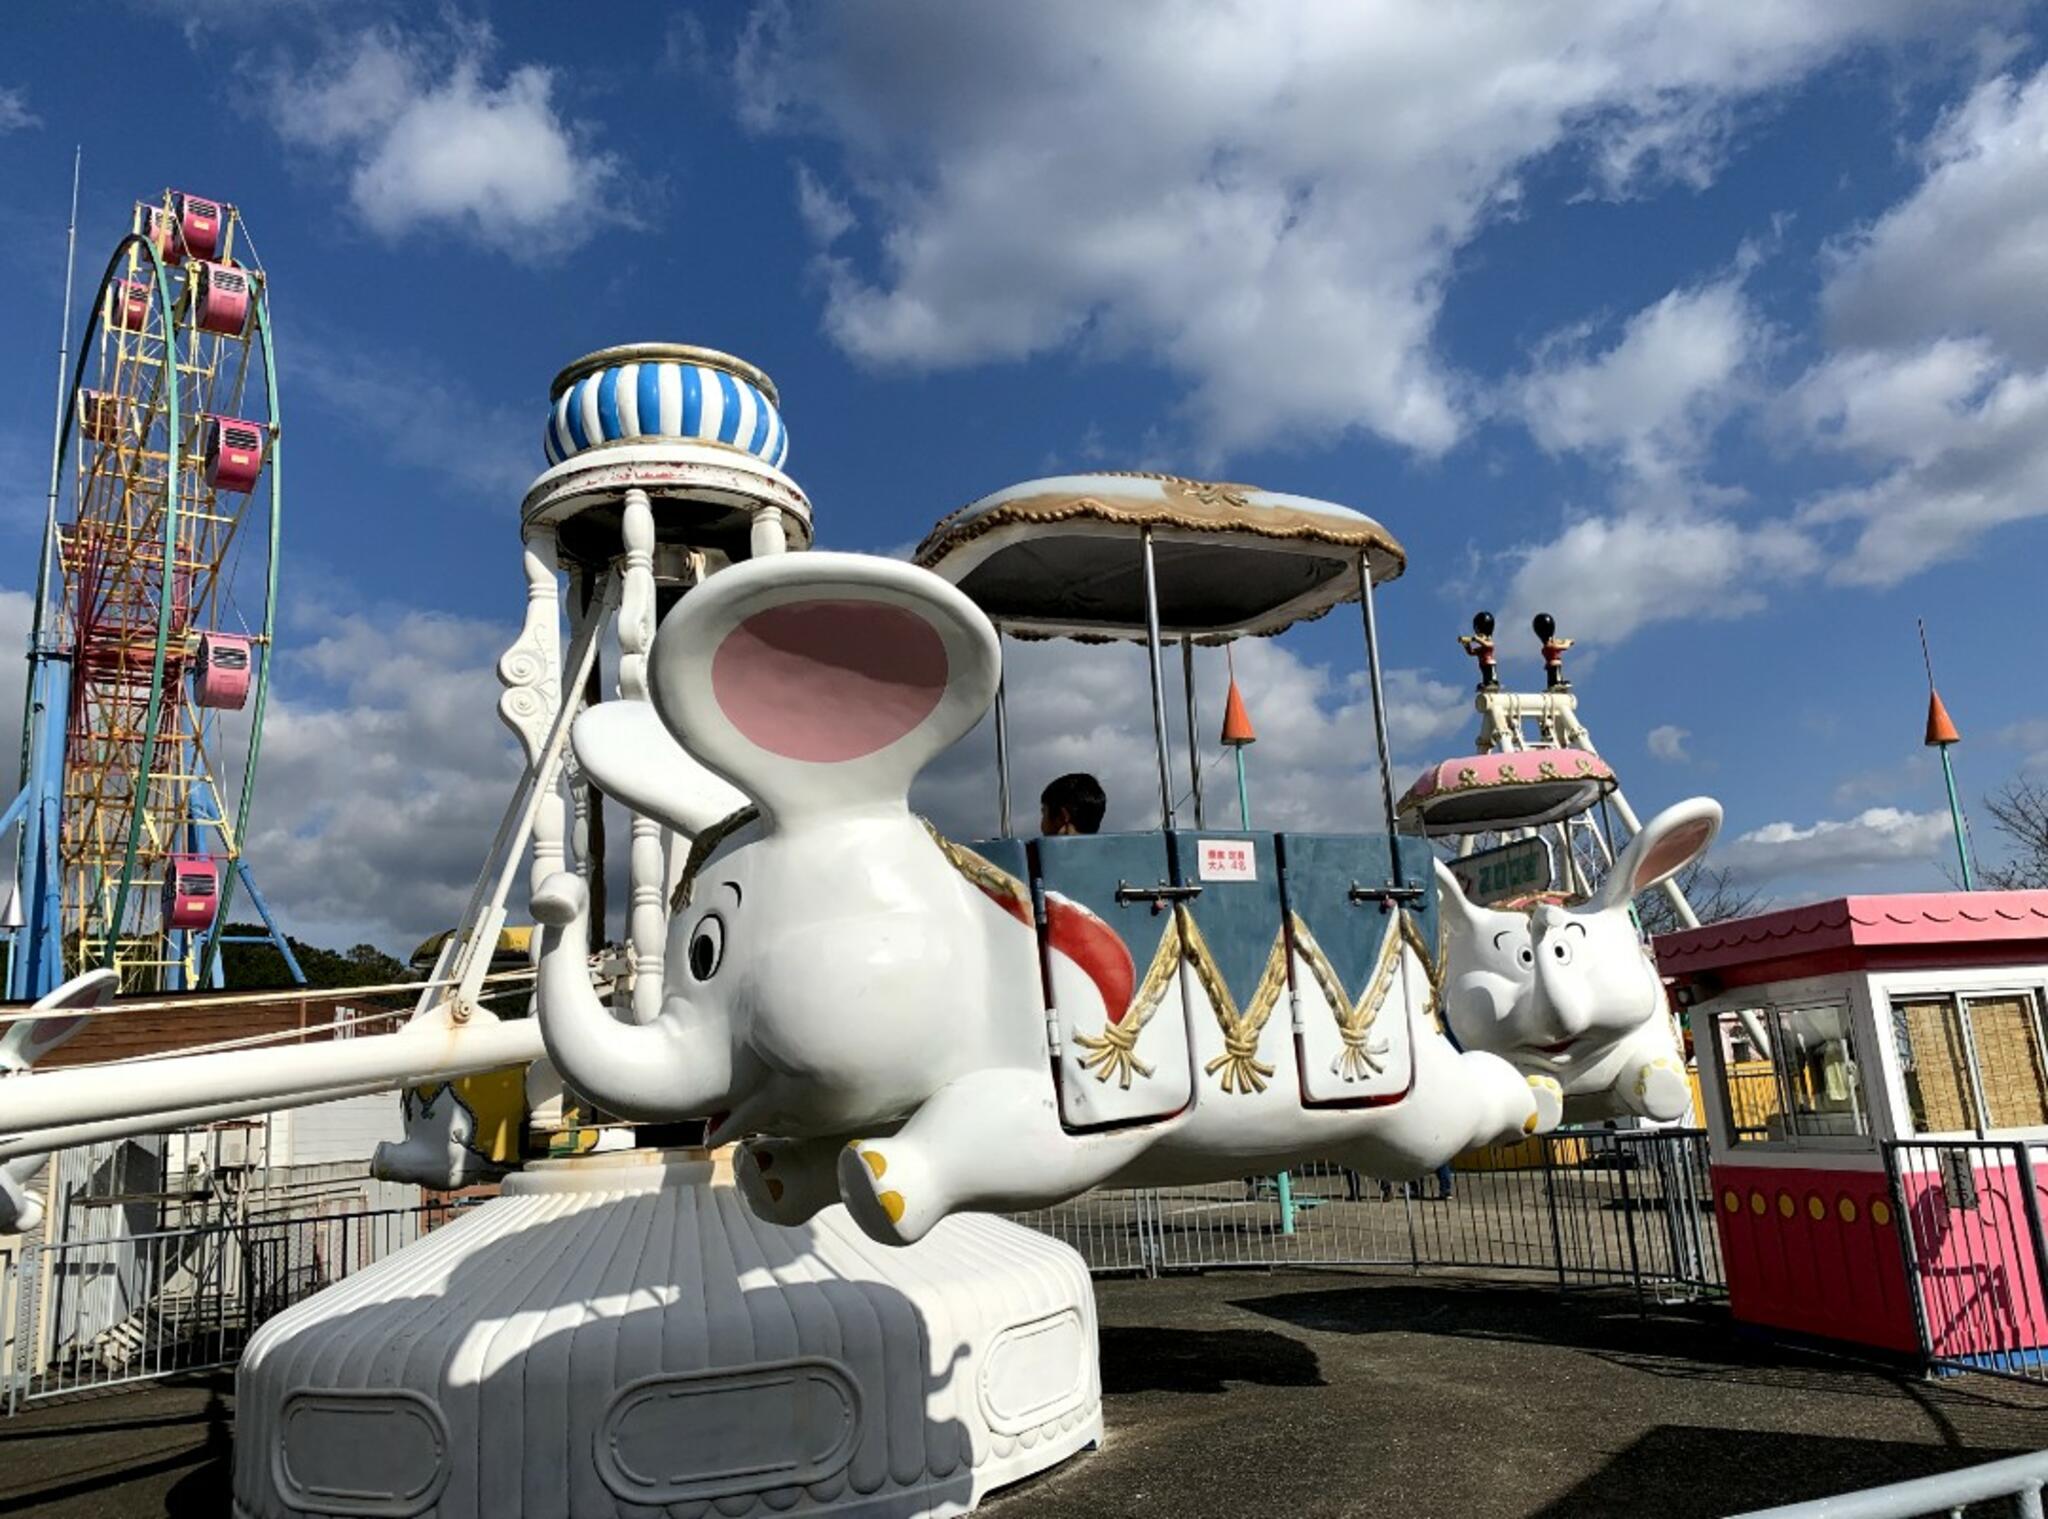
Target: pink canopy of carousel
[1485, 793]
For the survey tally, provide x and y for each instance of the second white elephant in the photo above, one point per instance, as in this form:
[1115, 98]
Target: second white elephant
[1573, 993]
[918, 1029]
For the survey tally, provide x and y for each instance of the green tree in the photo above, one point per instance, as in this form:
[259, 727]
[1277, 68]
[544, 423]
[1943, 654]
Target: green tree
[259, 967]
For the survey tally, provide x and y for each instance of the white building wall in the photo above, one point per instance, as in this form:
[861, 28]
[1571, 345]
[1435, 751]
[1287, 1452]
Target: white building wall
[350, 1129]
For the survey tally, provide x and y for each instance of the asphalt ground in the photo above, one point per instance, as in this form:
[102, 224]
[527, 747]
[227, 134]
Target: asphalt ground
[1304, 1394]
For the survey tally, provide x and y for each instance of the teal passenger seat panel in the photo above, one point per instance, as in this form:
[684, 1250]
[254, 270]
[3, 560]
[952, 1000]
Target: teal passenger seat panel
[1236, 972]
[1117, 1004]
[1362, 980]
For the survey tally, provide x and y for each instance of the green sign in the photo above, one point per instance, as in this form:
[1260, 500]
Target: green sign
[1513, 870]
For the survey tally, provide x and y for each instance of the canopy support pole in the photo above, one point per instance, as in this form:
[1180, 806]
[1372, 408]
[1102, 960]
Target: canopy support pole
[1187, 679]
[1397, 887]
[1002, 736]
[1166, 818]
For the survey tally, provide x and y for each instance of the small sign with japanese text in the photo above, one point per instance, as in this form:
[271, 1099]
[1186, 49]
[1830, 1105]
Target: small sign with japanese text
[1227, 860]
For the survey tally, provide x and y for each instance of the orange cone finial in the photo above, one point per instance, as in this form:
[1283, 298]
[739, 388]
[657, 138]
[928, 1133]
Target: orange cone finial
[1941, 729]
[1237, 723]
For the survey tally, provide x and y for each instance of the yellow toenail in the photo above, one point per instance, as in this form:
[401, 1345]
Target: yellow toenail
[1529, 1123]
[774, 1190]
[892, 1204]
[875, 1162]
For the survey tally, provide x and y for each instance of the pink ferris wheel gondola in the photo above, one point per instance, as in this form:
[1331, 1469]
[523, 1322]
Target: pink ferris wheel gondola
[220, 675]
[221, 298]
[191, 891]
[234, 453]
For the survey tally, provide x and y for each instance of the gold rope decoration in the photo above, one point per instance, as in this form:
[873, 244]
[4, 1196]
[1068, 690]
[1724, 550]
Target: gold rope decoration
[1114, 1050]
[1242, 1070]
[1355, 1020]
[990, 877]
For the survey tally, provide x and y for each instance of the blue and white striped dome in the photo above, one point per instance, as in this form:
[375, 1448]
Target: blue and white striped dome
[664, 390]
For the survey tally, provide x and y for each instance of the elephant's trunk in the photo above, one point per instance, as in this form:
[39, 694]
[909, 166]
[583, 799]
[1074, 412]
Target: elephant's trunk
[659, 1070]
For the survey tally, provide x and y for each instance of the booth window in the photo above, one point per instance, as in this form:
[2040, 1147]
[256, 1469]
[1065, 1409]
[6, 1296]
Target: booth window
[1972, 1063]
[1790, 1073]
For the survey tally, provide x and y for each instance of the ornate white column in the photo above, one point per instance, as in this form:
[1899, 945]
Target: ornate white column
[647, 915]
[531, 672]
[572, 775]
[766, 534]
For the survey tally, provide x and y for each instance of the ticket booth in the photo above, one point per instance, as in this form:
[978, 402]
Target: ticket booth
[1835, 1037]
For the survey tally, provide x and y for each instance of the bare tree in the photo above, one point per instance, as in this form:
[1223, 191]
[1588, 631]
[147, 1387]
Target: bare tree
[2019, 811]
[1715, 892]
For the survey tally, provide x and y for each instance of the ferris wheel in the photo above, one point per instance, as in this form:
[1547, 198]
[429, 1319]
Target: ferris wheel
[155, 609]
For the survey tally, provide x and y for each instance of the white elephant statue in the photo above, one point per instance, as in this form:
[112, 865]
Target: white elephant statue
[26, 1042]
[1573, 993]
[868, 1005]
[458, 1133]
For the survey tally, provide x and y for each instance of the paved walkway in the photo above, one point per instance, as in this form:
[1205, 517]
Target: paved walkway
[1305, 1395]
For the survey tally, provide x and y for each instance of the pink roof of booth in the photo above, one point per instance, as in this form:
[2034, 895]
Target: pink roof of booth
[1906, 921]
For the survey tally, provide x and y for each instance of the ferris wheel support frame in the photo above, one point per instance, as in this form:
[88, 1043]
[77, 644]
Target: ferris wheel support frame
[160, 283]
[39, 805]
[259, 696]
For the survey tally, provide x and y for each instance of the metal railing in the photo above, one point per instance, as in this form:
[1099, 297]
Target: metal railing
[101, 1312]
[2018, 1479]
[1975, 1255]
[1583, 1208]
[1599, 1206]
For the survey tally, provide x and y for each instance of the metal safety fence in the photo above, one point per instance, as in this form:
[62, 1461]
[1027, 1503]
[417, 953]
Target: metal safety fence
[1975, 1253]
[1602, 1206]
[100, 1312]
[1629, 1208]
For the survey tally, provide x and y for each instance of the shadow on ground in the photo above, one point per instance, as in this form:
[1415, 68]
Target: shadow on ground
[1145, 1358]
[1318, 1395]
[1729, 1471]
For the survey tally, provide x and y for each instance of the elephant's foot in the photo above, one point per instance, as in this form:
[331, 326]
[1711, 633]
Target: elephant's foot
[1548, 1097]
[1661, 1091]
[889, 1191]
[989, 1140]
[787, 1181]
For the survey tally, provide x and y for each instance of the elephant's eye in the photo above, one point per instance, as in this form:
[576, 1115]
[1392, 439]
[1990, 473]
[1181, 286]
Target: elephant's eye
[707, 946]
[1560, 951]
[1526, 955]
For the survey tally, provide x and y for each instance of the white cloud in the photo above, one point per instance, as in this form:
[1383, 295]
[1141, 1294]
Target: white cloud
[1268, 201]
[1651, 401]
[1608, 574]
[15, 116]
[422, 416]
[1876, 839]
[1967, 252]
[374, 809]
[1965, 434]
[427, 140]
[1939, 382]
[17, 612]
[376, 804]
[1667, 742]
[1668, 544]
[1089, 708]
[826, 217]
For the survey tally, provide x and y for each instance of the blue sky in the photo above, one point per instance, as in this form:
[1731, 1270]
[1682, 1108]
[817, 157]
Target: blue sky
[1716, 330]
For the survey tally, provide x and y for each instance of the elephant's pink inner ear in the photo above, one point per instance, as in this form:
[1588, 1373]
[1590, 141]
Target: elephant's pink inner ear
[1673, 850]
[829, 681]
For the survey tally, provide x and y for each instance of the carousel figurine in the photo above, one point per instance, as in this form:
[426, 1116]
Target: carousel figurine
[1553, 652]
[1479, 644]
